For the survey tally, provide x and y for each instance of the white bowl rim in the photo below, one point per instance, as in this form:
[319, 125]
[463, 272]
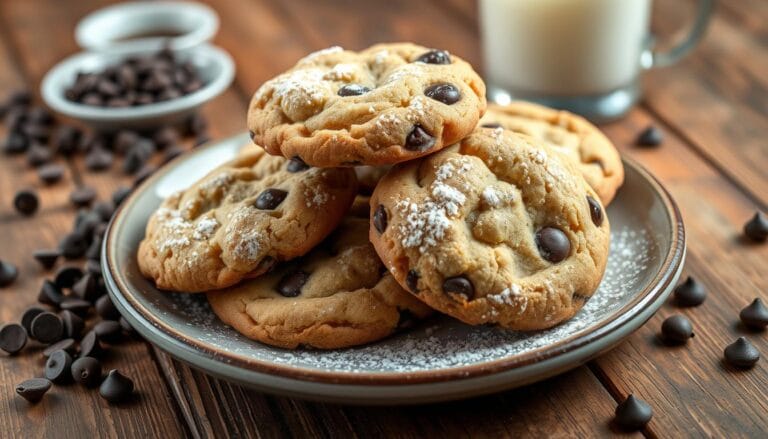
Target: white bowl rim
[52, 91]
[88, 38]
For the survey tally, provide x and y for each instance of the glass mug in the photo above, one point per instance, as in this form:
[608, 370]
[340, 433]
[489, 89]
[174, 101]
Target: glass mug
[585, 56]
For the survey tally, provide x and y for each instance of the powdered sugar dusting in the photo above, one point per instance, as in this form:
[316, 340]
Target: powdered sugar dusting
[440, 343]
[177, 232]
[320, 53]
[341, 72]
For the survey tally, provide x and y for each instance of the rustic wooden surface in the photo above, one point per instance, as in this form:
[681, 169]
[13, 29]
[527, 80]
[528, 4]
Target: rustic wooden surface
[713, 108]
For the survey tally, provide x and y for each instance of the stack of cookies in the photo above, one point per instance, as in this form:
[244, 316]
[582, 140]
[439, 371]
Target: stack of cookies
[380, 189]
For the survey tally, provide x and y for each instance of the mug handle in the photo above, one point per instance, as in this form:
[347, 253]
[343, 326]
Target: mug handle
[651, 58]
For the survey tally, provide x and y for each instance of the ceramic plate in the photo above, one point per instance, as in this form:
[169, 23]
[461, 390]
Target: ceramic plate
[441, 359]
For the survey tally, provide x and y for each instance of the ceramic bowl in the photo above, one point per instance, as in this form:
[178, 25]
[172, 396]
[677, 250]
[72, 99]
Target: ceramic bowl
[441, 359]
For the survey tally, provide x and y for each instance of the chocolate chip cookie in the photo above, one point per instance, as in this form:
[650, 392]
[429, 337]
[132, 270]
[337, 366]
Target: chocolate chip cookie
[242, 218]
[338, 295]
[498, 229]
[570, 135]
[386, 104]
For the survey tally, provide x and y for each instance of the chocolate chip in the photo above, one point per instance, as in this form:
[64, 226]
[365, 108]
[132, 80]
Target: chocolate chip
[19, 97]
[120, 195]
[124, 141]
[166, 137]
[419, 140]
[595, 211]
[73, 324]
[38, 155]
[435, 57]
[105, 210]
[650, 136]
[109, 331]
[197, 124]
[741, 354]
[40, 115]
[491, 125]
[26, 202]
[66, 139]
[46, 257]
[58, 368]
[380, 218]
[86, 371]
[553, 244]
[82, 196]
[90, 346]
[459, 285]
[412, 280]
[73, 246]
[76, 306]
[36, 132]
[270, 198]
[67, 345]
[67, 276]
[86, 288]
[633, 414]
[290, 285]
[33, 390]
[296, 164]
[50, 173]
[690, 293]
[116, 387]
[93, 266]
[757, 228]
[47, 328]
[134, 160]
[50, 294]
[172, 152]
[676, 330]
[251, 134]
[13, 338]
[755, 316]
[353, 90]
[445, 93]
[29, 315]
[94, 250]
[98, 159]
[8, 273]
[14, 143]
[106, 309]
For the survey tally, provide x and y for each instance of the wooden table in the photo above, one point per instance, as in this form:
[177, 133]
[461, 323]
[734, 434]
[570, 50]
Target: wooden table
[713, 108]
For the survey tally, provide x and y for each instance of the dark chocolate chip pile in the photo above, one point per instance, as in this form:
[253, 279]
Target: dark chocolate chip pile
[138, 80]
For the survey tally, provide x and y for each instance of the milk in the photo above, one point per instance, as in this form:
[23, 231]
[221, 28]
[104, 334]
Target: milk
[563, 47]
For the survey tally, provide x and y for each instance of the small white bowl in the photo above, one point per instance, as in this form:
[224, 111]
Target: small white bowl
[130, 26]
[214, 66]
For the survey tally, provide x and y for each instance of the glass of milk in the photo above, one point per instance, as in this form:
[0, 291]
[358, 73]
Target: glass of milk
[585, 56]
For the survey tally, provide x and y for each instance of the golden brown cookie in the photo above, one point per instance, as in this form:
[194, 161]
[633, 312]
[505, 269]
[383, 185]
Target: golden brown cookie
[569, 134]
[498, 229]
[338, 295]
[386, 104]
[240, 219]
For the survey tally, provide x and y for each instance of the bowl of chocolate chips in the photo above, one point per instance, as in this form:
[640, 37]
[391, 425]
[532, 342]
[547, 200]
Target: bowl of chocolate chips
[137, 90]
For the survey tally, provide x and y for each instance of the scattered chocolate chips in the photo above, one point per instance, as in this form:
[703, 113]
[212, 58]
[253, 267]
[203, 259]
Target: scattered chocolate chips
[445, 93]
[124, 140]
[8, 273]
[34, 389]
[82, 196]
[86, 288]
[353, 90]
[756, 229]
[67, 345]
[13, 338]
[46, 257]
[296, 164]
[165, 137]
[676, 330]
[108, 331]
[270, 198]
[73, 245]
[29, 315]
[77, 306]
[459, 285]
[116, 387]
[67, 276]
[66, 139]
[419, 140]
[633, 414]
[58, 368]
[73, 324]
[50, 173]
[290, 285]
[380, 218]
[90, 346]
[741, 354]
[755, 315]
[50, 294]
[47, 328]
[412, 280]
[14, 143]
[38, 155]
[650, 136]
[106, 309]
[120, 195]
[690, 293]
[553, 244]
[99, 159]
[172, 152]
[197, 124]
[86, 371]
[26, 202]
[595, 211]
[435, 57]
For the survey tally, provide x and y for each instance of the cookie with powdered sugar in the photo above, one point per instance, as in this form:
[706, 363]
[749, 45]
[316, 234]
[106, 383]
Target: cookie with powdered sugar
[498, 229]
[241, 219]
[386, 104]
[338, 295]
